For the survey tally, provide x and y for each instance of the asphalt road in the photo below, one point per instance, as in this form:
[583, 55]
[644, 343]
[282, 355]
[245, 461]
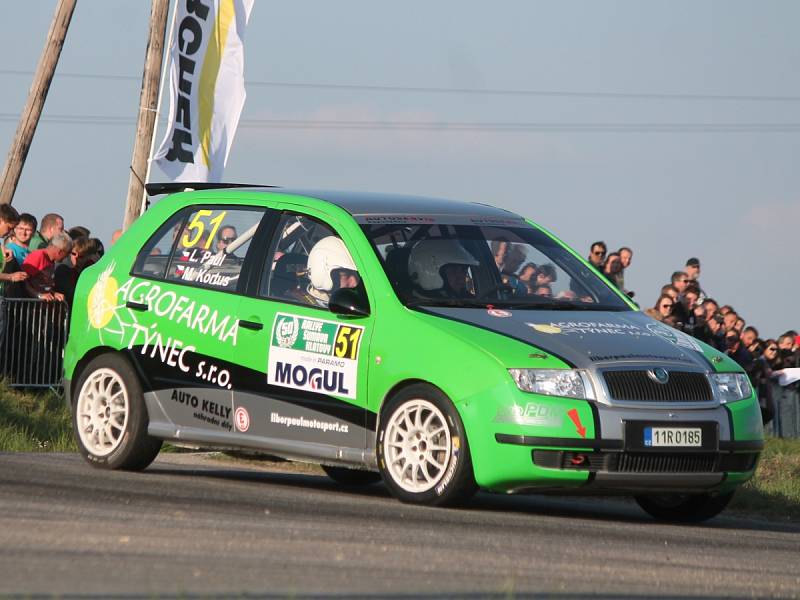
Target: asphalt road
[193, 526]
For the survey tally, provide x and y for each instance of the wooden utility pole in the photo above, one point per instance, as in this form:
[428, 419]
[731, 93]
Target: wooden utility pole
[148, 105]
[36, 97]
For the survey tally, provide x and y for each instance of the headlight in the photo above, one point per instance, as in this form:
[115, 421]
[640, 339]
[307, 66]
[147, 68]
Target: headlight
[731, 386]
[570, 383]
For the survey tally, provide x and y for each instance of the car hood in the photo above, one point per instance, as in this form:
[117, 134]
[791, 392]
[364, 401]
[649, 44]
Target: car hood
[587, 339]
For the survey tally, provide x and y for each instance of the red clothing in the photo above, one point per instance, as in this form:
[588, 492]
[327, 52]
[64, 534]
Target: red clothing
[41, 270]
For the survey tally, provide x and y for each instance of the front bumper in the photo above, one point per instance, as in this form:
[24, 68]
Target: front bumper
[575, 445]
[607, 465]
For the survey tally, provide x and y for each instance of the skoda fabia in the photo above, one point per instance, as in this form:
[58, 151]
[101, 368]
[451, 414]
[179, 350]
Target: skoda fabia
[441, 346]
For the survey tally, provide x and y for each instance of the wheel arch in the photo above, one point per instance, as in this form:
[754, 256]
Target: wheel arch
[397, 388]
[86, 359]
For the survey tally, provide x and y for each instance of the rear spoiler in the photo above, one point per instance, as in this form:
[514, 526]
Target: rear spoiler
[171, 187]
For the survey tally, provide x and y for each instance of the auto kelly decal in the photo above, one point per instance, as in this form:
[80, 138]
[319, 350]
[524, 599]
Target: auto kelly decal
[209, 408]
[314, 355]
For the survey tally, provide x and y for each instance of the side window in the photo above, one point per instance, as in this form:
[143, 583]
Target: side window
[204, 247]
[307, 262]
[211, 245]
[154, 256]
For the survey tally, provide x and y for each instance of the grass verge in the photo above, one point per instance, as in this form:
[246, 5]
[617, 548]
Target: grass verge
[35, 422]
[774, 492]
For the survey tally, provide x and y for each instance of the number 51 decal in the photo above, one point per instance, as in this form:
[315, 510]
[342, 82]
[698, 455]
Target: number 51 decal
[347, 340]
[197, 226]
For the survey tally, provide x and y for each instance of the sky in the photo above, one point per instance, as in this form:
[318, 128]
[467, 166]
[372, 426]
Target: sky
[671, 127]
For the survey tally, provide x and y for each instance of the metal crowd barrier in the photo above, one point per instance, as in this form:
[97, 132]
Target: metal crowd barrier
[786, 422]
[32, 342]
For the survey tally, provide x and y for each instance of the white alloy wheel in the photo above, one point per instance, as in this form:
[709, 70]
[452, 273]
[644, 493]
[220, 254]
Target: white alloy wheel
[417, 445]
[103, 410]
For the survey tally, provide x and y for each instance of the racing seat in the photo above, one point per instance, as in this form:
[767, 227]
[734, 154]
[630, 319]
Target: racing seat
[287, 275]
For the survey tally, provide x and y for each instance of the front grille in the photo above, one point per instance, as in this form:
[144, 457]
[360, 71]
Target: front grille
[683, 386]
[644, 462]
[666, 463]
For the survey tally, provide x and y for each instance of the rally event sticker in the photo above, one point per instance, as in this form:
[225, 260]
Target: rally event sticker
[314, 355]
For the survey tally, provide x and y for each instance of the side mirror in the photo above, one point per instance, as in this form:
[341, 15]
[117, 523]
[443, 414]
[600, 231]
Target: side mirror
[349, 301]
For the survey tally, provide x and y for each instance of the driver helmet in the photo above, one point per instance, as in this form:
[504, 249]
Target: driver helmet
[327, 255]
[427, 258]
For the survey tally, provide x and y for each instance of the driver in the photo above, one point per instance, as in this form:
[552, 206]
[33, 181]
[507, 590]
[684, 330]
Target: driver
[441, 268]
[330, 267]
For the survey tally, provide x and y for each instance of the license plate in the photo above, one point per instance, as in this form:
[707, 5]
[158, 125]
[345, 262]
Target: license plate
[680, 437]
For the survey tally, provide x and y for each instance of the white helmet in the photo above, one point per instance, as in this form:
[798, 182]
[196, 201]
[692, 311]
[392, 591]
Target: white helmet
[428, 256]
[327, 255]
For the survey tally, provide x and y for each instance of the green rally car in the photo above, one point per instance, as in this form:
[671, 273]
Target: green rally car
[441, 346]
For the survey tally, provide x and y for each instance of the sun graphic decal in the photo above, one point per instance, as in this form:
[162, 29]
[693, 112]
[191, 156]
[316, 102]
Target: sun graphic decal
[105, 313]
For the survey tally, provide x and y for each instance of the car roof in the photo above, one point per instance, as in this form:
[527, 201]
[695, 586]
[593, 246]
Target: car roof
[360, 204]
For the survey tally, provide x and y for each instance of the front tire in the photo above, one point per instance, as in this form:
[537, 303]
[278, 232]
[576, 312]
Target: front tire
[109, 416]
[684, 508]
[423, 454]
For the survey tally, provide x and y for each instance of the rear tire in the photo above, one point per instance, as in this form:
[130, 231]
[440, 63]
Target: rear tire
[109, 416]
[684, 508]
[422, 452]
[353, 477]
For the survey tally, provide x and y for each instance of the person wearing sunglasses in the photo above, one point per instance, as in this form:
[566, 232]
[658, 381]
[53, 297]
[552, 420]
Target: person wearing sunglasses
[771, 354]
[226, 236]
[662, 311]
[680, 280]
[764, 354]
[597, 254]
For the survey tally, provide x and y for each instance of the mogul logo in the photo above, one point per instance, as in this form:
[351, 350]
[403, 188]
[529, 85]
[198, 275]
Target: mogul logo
[316, 379]
[190, 39]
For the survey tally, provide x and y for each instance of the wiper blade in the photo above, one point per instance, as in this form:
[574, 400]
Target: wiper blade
[446, 302]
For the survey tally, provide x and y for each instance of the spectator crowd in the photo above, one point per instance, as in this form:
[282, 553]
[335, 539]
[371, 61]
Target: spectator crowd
[42, 260]
[685, 305]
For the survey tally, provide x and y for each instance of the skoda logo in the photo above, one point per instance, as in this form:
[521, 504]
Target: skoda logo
[659, 375]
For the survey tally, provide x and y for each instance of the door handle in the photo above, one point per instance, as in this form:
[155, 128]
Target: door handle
[136, 306]
[253, 325]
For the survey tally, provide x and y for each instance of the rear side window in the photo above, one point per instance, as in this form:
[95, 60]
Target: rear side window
[203, 247]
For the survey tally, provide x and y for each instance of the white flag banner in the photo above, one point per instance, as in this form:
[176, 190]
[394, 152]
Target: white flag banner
[206, 62]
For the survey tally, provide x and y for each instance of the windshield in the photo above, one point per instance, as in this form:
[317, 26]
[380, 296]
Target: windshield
[454, 262]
